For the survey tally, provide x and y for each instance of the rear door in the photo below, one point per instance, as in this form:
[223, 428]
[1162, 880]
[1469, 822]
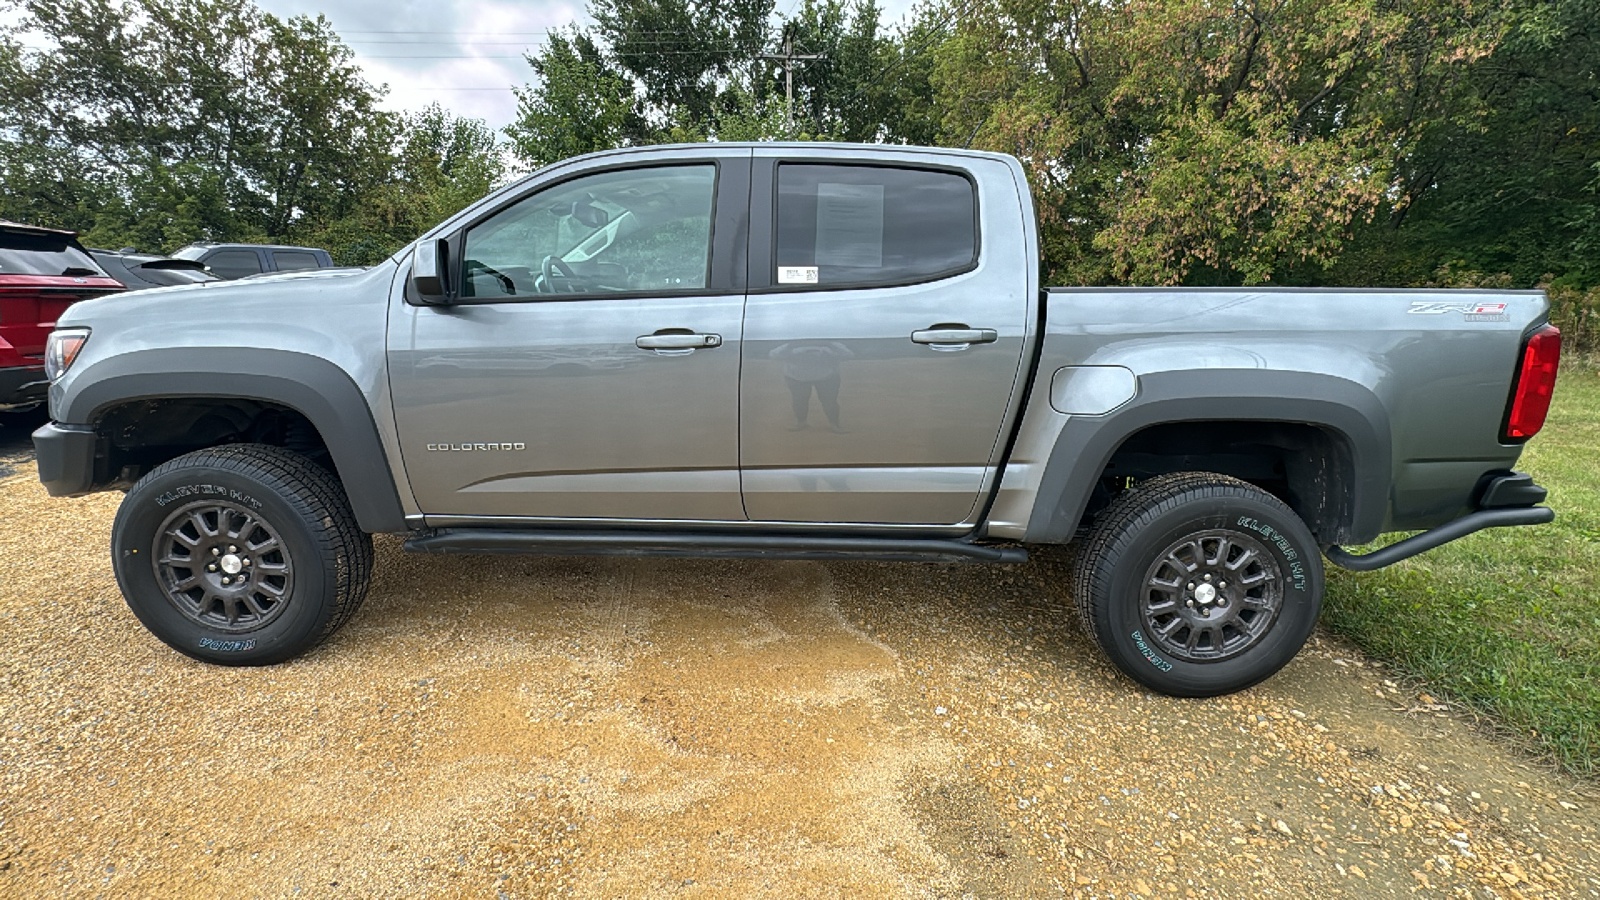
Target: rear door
[883, 336]
[591, 369]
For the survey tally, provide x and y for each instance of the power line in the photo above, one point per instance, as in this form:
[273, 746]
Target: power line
[788, 58]
[443, 56]
[679, 39]
[429, 43]
[434, 31]
[686, 32]
[630, 51]
[958, 7]
[363, 56]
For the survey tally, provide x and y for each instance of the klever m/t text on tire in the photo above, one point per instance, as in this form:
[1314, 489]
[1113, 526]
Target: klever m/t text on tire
[1198, 584]
[244, 554]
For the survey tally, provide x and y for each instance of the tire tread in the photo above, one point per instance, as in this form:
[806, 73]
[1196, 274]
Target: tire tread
[1132, 511]
[343, 549]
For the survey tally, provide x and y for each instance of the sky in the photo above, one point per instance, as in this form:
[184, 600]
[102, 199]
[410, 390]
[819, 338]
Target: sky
[465, 55]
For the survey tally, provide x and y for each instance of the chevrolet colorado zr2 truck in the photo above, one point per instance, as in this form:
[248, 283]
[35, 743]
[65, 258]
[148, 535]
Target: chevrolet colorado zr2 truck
[788, 351]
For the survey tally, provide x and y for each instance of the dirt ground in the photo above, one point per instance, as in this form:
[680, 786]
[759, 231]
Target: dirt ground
[595, 727]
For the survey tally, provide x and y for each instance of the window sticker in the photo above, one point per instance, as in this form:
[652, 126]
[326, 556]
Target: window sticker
[850, 225]
[797, 274]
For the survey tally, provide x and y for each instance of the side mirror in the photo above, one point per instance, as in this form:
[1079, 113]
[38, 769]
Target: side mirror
[429, 264]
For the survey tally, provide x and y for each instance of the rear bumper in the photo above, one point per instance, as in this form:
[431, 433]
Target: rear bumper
[66, 455]
[23, 386]
[1505, 501]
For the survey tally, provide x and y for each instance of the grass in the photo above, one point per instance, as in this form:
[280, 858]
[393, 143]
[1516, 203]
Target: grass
[1507, 621]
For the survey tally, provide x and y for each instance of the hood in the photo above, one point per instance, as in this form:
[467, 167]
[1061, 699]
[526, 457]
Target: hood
[260, 300]
[298, 274]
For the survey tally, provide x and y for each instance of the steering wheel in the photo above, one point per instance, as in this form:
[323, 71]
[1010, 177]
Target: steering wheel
[551, 267]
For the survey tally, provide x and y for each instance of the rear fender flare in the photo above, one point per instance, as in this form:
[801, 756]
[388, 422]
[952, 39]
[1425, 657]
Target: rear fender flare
[1086, 444]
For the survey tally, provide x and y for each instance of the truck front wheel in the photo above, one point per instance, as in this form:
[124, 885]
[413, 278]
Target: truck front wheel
[243, 555]
[1196, 584]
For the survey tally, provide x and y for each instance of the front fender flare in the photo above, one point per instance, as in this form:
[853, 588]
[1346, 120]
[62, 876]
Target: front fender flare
[315, 387]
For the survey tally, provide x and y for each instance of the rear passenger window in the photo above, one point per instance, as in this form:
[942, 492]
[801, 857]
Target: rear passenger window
[842, 226]
[291, 260]
[234, 263]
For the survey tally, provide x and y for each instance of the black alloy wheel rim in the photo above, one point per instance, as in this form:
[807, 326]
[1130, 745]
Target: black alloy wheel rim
[223, 566]
[1211, 595]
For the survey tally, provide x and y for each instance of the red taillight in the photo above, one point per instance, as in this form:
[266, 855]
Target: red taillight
[1536, 381]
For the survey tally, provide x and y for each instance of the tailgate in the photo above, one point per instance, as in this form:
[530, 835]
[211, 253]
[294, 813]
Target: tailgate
[30, 306]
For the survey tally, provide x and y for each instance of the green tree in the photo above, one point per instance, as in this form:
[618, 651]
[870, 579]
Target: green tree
[49, 172]
[189, 119]
[1507, 184]
[442, 164]
[842, 95]
[581, 103]
[900, 89]
[1190, 140]
[684, 53]
[656, 71]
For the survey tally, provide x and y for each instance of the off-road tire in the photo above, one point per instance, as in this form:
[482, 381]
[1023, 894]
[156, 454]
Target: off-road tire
[310, 571]
[1151, 550]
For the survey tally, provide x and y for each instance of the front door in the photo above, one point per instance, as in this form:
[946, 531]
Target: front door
[882, 341]
[591, 367]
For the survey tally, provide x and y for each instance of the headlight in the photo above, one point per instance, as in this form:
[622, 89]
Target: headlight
[61, 348]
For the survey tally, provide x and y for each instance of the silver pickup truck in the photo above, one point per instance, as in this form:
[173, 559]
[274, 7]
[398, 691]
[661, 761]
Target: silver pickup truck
[788, 351]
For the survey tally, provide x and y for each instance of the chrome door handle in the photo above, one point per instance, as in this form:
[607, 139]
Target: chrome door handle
[955, 336]
[677, 340]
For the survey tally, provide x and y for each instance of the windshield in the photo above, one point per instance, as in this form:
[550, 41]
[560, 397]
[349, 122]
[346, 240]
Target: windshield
[29, 254]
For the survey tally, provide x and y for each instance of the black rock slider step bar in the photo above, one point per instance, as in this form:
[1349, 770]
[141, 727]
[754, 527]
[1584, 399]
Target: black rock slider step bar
[716, 546]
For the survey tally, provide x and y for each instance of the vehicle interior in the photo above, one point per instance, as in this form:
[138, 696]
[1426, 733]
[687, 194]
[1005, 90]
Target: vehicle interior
[614, 232]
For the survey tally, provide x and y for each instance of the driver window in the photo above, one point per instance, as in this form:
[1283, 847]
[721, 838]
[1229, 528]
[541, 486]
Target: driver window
[631, 231]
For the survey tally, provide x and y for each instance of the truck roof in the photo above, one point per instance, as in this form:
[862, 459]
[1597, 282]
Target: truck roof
[208, 245]
[886, 149]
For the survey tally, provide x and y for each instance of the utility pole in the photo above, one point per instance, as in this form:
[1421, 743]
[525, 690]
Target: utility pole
[788, 57]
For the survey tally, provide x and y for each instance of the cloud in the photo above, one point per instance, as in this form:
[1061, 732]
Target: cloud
[464, 55]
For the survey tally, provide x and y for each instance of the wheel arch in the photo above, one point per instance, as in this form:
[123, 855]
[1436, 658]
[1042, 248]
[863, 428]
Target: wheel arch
[312, 387]
[1343, 498]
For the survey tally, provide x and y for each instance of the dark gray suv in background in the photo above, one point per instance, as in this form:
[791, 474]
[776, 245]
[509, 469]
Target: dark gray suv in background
[240, 260]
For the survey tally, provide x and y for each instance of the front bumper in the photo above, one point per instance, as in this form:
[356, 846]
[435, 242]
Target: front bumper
[66, 456]
[1504, 501]
[22, 387]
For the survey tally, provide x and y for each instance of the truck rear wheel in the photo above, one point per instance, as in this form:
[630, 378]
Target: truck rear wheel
[242, 555]
[1197, 584]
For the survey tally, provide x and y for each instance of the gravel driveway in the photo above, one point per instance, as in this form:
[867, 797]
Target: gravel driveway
[527, 727]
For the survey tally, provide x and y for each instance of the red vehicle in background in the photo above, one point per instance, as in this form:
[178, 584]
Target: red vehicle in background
[42, 272]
